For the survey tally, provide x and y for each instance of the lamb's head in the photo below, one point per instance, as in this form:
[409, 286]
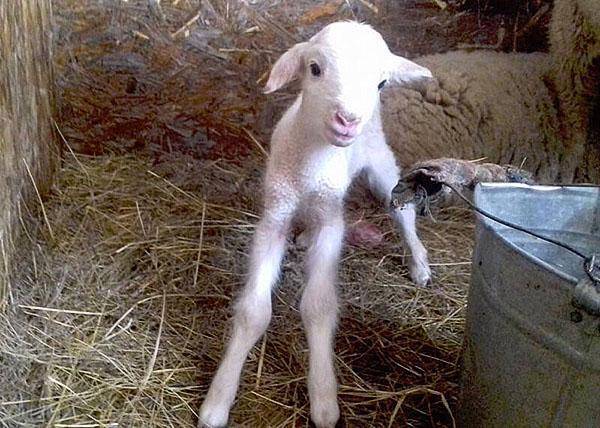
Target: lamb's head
[343, 67]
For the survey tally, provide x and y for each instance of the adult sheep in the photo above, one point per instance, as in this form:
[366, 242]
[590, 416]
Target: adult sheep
[510, 108]
[575, 52]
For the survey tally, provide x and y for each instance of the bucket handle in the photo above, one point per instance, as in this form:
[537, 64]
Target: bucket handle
[586, 294]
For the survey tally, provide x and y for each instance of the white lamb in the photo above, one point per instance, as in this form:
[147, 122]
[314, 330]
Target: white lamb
[328, 136]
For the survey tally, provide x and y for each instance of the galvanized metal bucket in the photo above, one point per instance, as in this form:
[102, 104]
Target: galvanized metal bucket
[530, 357]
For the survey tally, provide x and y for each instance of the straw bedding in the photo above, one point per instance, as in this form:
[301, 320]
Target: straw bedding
[122, 317]
[119, 312]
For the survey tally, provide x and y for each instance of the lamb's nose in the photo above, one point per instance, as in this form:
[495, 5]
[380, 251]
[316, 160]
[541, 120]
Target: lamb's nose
[346, 119]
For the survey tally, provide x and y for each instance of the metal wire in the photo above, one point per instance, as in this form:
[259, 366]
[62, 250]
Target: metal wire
[589, 262]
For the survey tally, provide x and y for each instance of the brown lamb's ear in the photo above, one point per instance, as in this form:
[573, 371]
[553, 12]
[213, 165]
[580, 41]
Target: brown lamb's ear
[286, 68]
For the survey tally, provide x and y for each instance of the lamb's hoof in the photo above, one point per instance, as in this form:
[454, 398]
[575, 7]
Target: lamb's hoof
[213, 416]
[325, 413]
[420, 273]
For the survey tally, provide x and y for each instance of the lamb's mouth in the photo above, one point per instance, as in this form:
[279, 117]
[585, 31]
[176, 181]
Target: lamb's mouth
[340, 139]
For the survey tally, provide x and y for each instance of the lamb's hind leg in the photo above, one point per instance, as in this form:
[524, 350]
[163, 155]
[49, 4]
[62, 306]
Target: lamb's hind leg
[319, 309]
[252, 316]
[383, 174]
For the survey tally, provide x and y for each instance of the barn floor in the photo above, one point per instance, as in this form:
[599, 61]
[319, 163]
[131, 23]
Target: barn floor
[119, 313]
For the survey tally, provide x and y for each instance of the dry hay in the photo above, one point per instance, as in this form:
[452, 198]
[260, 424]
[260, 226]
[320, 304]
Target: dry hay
[187, 76]
[121, 317]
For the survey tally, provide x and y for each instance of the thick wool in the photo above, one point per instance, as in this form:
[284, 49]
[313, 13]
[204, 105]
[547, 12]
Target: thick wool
[482, 105]
[575, 50]
[535, 110]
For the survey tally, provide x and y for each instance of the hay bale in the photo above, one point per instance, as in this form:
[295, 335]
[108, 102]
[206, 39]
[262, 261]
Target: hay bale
[26, 148]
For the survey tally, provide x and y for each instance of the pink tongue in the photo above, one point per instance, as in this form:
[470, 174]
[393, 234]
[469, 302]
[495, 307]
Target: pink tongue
[363, 234]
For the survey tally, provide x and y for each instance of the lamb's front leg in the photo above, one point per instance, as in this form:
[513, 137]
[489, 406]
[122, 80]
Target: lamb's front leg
[319, 309]
[405, 217]
[383, 175]
[252, 316]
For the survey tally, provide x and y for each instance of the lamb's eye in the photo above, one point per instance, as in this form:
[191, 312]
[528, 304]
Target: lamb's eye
[315, 70]
[381, 84]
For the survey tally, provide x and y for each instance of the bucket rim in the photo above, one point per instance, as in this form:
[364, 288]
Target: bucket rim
[488, 224]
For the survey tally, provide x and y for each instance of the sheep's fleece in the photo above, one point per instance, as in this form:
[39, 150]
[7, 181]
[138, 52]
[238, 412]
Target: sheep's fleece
[481, 105]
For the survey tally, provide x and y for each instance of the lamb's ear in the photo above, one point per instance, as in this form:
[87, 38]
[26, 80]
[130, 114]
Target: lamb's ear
[286, 68]
[404, 71]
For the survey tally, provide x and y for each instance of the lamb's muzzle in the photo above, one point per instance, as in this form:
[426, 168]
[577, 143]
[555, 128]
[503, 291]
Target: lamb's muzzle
[344, 127]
